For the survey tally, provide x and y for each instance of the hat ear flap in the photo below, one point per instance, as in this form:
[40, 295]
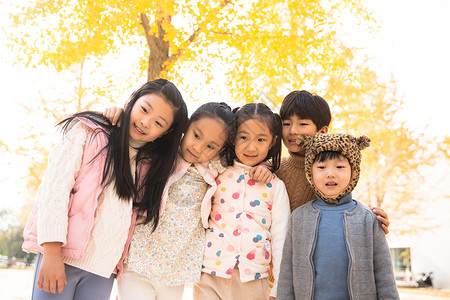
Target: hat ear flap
[363, 142]
[304, 140]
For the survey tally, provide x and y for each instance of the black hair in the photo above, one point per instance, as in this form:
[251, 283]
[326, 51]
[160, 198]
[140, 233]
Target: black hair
[218, 111]
[264, 114]
[326, 155]
[306, 106]
[161, 153]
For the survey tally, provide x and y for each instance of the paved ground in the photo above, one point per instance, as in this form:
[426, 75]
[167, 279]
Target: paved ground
[16, 285]
[423, 293]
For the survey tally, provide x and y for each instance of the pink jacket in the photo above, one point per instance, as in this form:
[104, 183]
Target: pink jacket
[82, 200]
[209, 175]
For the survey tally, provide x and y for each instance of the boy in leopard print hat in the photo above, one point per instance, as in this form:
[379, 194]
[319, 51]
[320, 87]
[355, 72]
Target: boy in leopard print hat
[335, 247]
[317, 150]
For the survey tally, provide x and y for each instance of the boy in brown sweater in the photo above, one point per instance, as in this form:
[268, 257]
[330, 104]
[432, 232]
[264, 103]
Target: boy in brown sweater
[305, 113]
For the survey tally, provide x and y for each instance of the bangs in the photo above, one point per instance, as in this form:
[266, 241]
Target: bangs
[327, 155]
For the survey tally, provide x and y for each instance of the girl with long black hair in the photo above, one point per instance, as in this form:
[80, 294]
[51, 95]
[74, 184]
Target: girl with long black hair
[82, 217]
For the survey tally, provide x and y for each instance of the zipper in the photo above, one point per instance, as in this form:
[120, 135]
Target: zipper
[312, 251]
[350, 265]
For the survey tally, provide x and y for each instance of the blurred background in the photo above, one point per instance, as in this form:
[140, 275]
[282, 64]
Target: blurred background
[383, 66]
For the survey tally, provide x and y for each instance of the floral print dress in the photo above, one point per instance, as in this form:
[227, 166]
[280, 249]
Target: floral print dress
[173, 253]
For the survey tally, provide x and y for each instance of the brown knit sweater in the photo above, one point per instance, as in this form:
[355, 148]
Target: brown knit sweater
[292, 172]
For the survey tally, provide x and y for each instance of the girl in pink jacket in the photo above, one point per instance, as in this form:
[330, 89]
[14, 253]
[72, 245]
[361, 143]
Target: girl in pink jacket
[82, 215]
[248, 221]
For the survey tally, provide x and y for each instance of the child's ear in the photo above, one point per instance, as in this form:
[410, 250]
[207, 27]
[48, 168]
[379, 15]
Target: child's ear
[324, 129]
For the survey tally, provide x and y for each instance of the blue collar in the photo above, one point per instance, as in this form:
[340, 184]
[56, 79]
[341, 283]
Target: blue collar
[346, 199]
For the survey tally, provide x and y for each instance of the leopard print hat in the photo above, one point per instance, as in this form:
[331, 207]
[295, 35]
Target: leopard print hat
[346, 144]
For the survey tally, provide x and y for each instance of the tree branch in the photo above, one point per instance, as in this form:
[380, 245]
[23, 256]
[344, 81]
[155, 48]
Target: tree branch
[194, 35]
[80, 86]
[261, 34]
[145, 23]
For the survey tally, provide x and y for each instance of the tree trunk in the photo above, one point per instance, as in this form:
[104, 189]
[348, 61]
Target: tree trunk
[159, 48]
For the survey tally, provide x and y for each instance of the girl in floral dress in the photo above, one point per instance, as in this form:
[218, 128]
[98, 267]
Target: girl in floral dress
[167, 253]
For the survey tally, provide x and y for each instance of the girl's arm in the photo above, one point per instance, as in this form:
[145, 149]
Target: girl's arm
[57, 184]
[53, 196]
[383, 217]
[280, 218]
[52, 276]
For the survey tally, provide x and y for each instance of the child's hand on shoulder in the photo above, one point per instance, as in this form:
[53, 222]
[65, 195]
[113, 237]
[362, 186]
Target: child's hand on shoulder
[383, 217]
[261, 173]
[113, 114]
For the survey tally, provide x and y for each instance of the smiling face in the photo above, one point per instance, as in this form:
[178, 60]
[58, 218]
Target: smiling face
[150, 117]
[253, 142]
[293, 127]
[331, 176]
[203, 140]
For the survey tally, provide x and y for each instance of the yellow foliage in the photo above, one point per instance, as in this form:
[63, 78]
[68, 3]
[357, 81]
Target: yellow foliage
[265, 46]
[269, 37]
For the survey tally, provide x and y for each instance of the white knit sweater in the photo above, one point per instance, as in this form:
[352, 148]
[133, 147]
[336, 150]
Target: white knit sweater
[112, 217]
